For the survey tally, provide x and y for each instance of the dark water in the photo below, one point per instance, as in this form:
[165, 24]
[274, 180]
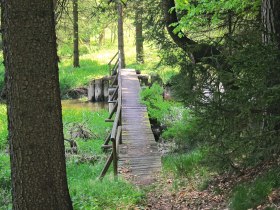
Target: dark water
[78, 104]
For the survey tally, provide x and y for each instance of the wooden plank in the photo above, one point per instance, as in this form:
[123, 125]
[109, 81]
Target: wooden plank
[139, 150]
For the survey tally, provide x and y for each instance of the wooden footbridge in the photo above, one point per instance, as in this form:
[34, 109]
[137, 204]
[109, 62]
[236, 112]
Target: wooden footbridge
[134, 149]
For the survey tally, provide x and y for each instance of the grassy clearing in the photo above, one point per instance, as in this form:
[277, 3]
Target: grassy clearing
[86, 190]
[83, 169]
[70, 77]
[94, 65]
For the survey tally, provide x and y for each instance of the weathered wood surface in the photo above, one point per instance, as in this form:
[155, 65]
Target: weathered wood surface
[139, 152]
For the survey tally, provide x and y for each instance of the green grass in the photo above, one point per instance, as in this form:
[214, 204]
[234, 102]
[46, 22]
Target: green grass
[151, 65]
[70, 77]
[87, 192]
[83, 169]
[186, 164]
[5, 181]
[250, 195]
[3, 127]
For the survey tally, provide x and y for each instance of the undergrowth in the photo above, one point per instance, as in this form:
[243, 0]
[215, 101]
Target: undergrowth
[252, 194]
[3, 127]
[83, 169]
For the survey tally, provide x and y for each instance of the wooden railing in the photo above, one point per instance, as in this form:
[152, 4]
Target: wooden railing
[113, 68]
[114, 136]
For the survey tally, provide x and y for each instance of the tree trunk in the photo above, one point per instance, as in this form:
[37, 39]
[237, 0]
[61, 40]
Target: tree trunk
[271, 21]
[196, 51]
[101, 38]
[120, 35]
[271, 35]
[34, 109]
[76, 62]
[139, 33]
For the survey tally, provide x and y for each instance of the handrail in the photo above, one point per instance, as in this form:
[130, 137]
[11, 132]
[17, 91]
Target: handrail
[111, 70]
[115, 135]
[113, 58]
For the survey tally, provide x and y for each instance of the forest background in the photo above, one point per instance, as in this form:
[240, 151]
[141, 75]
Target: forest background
[221, 59]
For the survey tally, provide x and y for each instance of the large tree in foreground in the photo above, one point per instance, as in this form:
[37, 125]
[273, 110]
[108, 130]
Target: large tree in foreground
[34, 108]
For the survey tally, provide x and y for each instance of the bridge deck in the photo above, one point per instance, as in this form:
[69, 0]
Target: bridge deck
[139, 152]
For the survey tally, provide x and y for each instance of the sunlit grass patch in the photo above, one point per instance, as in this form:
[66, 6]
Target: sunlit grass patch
[94, 121]
[88, 192]
[3, 126]
[77, 77]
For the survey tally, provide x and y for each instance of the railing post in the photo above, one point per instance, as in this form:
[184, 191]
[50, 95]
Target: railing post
[115, 135]
[115, 158]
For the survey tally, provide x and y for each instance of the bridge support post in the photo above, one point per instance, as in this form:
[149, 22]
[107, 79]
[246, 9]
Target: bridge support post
[115, 159]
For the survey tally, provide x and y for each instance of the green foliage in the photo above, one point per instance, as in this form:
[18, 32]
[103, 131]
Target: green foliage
[182, 130]
[212, 14]
[1, 77]
[5, 182]
[3, 127]
[87, 192]
[83, 170]
[250, 195]
[77, 77]
[231, 118]
[158, 109]
[92, 120]
[185, 164]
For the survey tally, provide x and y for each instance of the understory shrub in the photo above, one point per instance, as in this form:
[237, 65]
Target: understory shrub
[153, 98]
[236, 111]
[250, 195]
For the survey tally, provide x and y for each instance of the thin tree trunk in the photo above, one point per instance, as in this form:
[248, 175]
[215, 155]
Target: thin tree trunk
[120, 35]
[101, 38]
[76, 62]
[271, 21]
[34, 109]
[139, 33]
[271, 35]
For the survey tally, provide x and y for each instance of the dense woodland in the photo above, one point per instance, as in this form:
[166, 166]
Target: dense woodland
[218, 131]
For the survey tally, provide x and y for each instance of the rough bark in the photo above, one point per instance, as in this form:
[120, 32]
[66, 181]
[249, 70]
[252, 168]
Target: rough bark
[34, 109]
[76, 61]
[271, 35]
[139, 33]
[271, 21]
[197, 51]
[120, 34]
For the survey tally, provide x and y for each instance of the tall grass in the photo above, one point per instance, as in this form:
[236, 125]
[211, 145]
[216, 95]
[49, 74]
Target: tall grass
[3, 127]
[87, 192]
[83, 169]
[252, 194]
[184, 164]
